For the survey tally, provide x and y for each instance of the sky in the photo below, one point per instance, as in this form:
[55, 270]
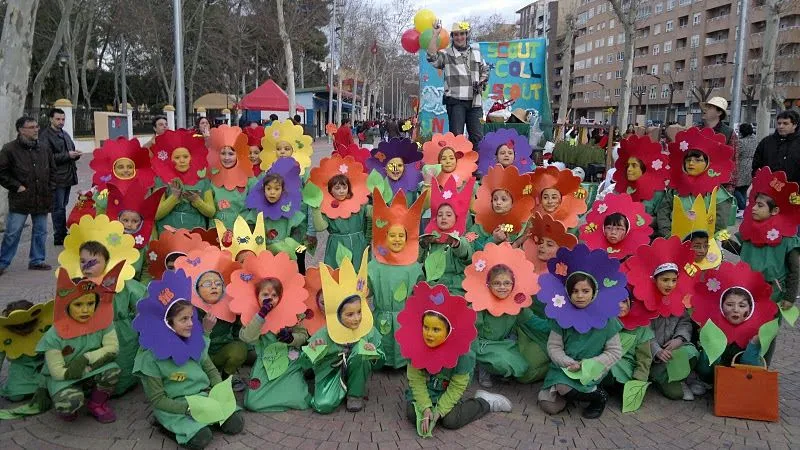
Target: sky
[450, 11]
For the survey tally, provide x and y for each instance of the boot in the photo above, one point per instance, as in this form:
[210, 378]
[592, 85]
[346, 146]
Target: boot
[98, 407]
[597, 403]
[200, 440]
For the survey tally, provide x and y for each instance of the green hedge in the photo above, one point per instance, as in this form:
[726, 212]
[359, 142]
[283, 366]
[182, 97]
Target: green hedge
[579, 155]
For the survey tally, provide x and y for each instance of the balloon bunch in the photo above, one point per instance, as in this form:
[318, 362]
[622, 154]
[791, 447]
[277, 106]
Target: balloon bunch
[420, 36]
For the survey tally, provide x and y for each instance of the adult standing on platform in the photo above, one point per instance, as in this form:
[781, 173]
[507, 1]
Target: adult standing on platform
[465, 77]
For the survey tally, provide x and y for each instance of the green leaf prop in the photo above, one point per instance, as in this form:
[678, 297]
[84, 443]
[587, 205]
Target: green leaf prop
[790, 315]
[375, 180]
[400, 292]
[713, 341]
[314, 354]
[276, 360]
[766, 334]
[370, 354]
[201, 173]
[678, 366]
[343, 252]
[436, 169]
[627, 340]
[633, 394]
[589, 373]
[217, 407]
[312, 195]
[385, 327]
[434, 265]
[421, 415]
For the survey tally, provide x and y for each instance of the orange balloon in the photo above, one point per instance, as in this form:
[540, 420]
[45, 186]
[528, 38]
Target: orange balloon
[444, 39]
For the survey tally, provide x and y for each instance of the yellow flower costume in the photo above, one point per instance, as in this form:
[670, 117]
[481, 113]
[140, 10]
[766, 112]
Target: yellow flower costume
[286, 131]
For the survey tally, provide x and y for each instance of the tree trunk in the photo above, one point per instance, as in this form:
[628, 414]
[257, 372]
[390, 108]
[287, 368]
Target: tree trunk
[87, 95]
[288, 56]
[69, 44]
[196, 54]
[627, 20]
[767, 67]
[566, 72]
[38, 81]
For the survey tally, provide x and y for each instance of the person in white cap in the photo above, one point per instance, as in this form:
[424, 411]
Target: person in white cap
[714, 112]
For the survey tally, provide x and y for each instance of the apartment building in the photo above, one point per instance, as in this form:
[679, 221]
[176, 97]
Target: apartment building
[679, 45]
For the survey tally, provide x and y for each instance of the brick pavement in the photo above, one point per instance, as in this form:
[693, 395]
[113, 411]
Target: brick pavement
[660, 424]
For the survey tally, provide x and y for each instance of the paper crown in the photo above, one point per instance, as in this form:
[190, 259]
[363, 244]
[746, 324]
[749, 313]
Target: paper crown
[720, 161]
[476, 281]
[244, 287]
[240, 238]
[135, 199]
[166, 144]
[385, 217]
[314, 316]
[286, 131]
[125, 152]
[408, 152]
[786, 197]
[458, 200]
[466, 157]
[509, 137]
[354, 151]
[12, 343]
[291, 198]
[638, 315]
[707, 304]
[350, 283]
[517, 185]
[155, 334]
[68, 291]
[335, 165]
[254, 135]
[654, 164]
[541, 227]
[609, 284]
[638, 223]
[111, 234]
[573, 196]
[237, 176]
[698, 218]
[454, 309]
[171, 242]
[212, 260]
[640, 268]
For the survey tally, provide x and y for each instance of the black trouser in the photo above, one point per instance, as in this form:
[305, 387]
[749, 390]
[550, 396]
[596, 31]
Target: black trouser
[465, 412]
[59, 214]
[461, 112]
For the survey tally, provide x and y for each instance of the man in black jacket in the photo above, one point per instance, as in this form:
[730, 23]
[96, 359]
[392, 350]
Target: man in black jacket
[56, 141]
[781, 150]
[26, 171]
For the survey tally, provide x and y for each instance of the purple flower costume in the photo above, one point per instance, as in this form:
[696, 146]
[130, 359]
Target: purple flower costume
[290, 201]
[407, 151]
[487, 150]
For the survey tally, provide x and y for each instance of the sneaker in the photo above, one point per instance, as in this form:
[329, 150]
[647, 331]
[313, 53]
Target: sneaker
[355, 404]
[40, 266]
[238, 384]
[695, 385]
[484, 378]
[597, 403]
[497, 402]
[687, 393]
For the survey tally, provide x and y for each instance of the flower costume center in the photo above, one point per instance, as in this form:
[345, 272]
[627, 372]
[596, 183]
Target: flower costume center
[518, 186]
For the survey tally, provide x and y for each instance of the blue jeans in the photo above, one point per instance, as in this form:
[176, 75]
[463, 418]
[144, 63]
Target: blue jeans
[461, 112]
[14, 224]
[60, 200]
[740, 193]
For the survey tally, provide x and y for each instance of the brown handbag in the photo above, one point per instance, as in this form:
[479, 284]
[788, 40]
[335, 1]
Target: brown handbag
[746, 392]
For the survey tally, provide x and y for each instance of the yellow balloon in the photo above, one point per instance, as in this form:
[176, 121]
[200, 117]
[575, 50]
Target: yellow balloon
[424, 19]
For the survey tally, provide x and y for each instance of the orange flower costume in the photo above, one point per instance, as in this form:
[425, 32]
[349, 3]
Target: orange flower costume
[573, 196]
[336, 165]
[314, 316]
[385, 217]
[210, 259]
[238, 175]
[544, 226]
[476, 283]
[466, 157]
[520, 188]
[171, 243]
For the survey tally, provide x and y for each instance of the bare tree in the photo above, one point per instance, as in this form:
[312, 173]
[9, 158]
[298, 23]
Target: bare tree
[566, 71]
[626, 11]
[47, 65]
[769, 45]
[289, 57]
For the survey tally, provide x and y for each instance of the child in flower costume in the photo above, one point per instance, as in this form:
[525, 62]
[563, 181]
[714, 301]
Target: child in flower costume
[180, 162]
[240, 241]
[398, 162]
[268, 293]
[22, 325]
[558, 193]
[284, 139]
[642, 171]
[314, 315]
[175, 368]
[582, 292]
[505, 147]
[454, 154]
[93, 248]
[230, 172]
[499, 284]
[343, 352]
[169, 246]
[436, 329]
[617, 225]
[698, 226]
[254, 136]
[394, 268]
[503, 206]
[121, 161]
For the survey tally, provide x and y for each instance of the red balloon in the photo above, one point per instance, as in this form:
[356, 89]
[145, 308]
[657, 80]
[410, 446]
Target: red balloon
[410, 40]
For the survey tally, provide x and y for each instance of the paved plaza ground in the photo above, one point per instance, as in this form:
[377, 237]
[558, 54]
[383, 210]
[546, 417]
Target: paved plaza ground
[660, 424]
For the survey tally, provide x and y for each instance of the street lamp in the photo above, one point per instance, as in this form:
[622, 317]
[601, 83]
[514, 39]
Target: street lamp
[63, 59]
[647, 104]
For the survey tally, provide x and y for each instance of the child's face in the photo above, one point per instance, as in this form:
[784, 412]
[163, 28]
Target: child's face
[633, 170]
[92, 265]
[700, 248]
[284, 149]
[395, 168]
[82, 308]
[182, 159]
[169, 261]
[268, 292]
[340, 191]
[396, 238]
[614, 233]
[694, 165]
[210, 287]
[502, 285]
[321, 301]
[761, 211]
[448, 160]
[666, 282]
[445, 218]
[351, 315]
[243, 255]
[227, 156]
[124, 168]
[182, 323]
[551, 199]
[624, 307]
[501, 201]
[131, 220]
[273, 191]
[434, 331]
[254, 155]
[582, 294]
[546, 249]
[736, 308]
[505, 156]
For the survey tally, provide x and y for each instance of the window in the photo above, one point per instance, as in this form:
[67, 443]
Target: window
[589, 63]
[653, 92]
[657, 29]
[591, 29]
[620, 56]
[667, 46]
[695, 41]
[621, 38]
[656, 49]
[697, 18]
[610, 41]
[609, 75]
[580, 65]
[654, 69]
[610, 58]
[685, 2]
[693, 64]
[683, 21]
[669, 26]
[617, 92]
[664, 90]
[670, 5]
[659, 8]
[611, 23]
[580, 49]
[618, 74]
[589, 46]
[667, 67]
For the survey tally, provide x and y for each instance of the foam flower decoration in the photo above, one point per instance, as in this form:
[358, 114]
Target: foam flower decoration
[234, 177]
[458, 200]
[518, 186]
[37, 319]
[491, 143]
[314, 316]
[164, 148]
[461, 319]
[573, 196]
[720, 161]
[385, 217]
[709, 297]
[636, 220]
[135, 199]
[638, 315]
[244, 284]
[254, 136]
[290, 200]
[67, 291]
[170, 244]
[640, 268]
[335, 165]
[406, 126]
[286, 131]
[786, 197]
[542, 228]
[240, 238]
[384, 159]
[121, 161]
[353, 150]
[476, 282]
[466, 157]
[121, 247]
[652, 162]
[155, 333]
[219, 265]
[698, 219]
[609, 281]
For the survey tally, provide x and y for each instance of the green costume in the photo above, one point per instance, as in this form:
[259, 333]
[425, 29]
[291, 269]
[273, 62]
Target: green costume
[352, 233]
[390, 287]
[23, 378]
[663, 217]
[651, 206]
[184, 215]
[532, 343]
[225, 349]
[124, 312]
[285, 235]
[230, 203]
[456, 261]
[494, 349]
[771, 262]
[636, 355]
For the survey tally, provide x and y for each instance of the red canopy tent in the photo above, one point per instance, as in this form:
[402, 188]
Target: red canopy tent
[267, 97]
